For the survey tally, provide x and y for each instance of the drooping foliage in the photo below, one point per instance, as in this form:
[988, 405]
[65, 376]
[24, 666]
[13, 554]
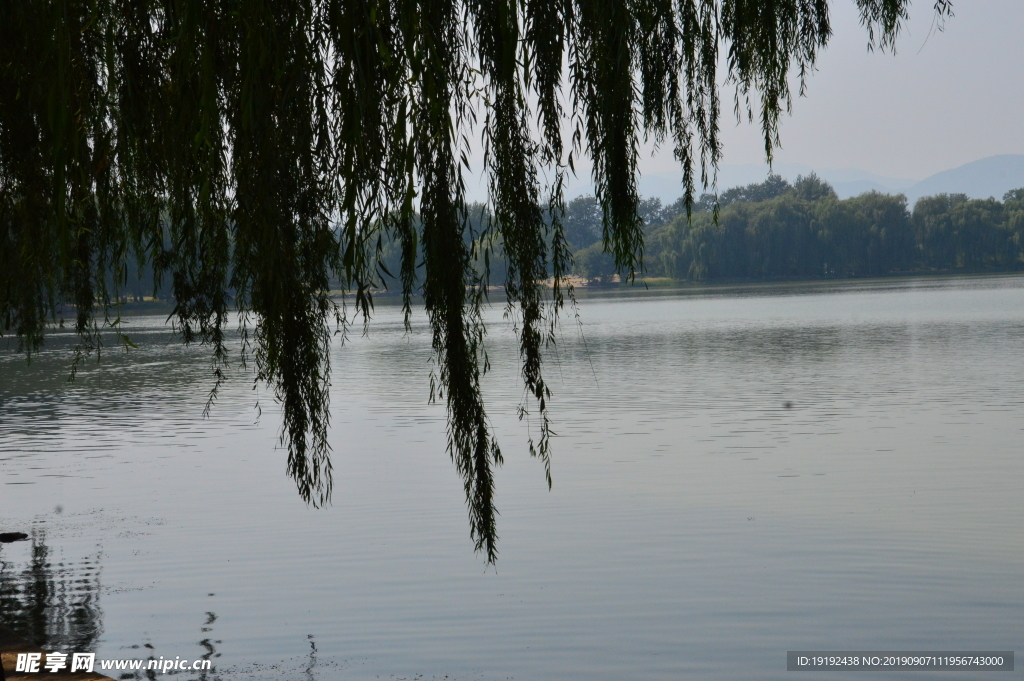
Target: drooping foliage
[252, 152]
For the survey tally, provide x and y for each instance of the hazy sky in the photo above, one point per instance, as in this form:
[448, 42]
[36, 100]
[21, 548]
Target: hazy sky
[941, 101]
[935, 105]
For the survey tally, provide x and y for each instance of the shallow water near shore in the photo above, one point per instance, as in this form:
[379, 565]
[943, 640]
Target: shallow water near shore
[738, 472]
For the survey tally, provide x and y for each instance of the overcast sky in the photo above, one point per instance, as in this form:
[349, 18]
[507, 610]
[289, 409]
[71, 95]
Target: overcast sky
[943, 100]
[938, 103]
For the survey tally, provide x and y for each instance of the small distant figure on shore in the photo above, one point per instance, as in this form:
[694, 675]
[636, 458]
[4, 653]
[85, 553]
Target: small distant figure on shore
[8, 537]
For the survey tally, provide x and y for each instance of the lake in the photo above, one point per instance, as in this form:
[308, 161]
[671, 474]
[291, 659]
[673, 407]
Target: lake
[739, 471]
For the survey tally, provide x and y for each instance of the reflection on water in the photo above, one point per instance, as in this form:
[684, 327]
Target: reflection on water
[51, 602]
[207, 651]
[54, 603]
[739, 472]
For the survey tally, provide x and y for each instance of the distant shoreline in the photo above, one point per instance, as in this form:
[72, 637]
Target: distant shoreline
[584, 286]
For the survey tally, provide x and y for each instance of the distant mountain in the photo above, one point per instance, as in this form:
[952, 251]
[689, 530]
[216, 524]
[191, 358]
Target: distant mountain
[846, 181]
[857, 187]
[992, 176]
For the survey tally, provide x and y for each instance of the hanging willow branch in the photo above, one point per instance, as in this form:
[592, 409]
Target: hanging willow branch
[253, 152]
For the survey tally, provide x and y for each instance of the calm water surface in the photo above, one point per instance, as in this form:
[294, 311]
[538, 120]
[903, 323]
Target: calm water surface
[697, 528]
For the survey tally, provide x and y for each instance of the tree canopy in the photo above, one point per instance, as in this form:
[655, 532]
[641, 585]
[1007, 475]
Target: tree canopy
[807, 232]
[252, 152]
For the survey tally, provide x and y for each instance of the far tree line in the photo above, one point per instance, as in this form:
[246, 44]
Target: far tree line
[778, 230]
[766, 231]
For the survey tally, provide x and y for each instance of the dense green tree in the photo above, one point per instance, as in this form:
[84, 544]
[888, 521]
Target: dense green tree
[773, 186]
[758, 191]
[582, 222]
[808, 232]
[810, 188]
[594, 262]
[255, 152]
[583, 229]
[1014, 213]
[936, 231]
[959, 233]
[881, 240]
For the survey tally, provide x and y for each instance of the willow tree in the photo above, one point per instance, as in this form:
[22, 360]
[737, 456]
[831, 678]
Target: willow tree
[252, 152]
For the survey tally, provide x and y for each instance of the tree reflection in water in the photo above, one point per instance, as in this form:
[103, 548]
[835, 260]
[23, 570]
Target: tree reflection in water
[52, 605]
[55, 606]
